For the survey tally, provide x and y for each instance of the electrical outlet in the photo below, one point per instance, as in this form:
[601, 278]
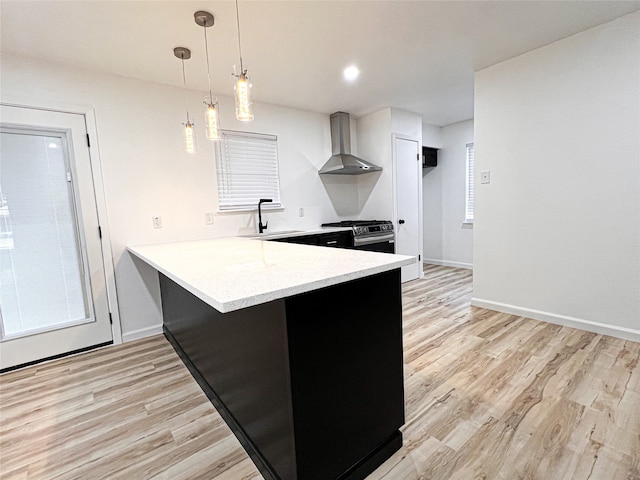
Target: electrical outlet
[157, 222]
[485, 176]
[301, 212]
[208, 218]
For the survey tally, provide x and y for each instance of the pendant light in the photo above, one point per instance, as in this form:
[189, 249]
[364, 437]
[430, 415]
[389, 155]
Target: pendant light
[205, 20]
[244, 106]
[189, 133]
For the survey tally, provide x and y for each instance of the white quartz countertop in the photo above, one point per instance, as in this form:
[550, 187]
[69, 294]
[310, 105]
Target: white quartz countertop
[234, 273]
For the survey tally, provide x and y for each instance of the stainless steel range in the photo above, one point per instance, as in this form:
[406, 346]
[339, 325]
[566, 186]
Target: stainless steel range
[372, 235]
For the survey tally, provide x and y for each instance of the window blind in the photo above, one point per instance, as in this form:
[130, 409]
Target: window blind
[470, 176]
[247, 170]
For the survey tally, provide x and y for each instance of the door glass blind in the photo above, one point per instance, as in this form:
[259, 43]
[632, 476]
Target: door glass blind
[470, 177]
[42, 283]
[247, 170]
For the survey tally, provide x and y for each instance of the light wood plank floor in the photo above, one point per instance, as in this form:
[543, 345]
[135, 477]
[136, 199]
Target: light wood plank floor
[488, 396]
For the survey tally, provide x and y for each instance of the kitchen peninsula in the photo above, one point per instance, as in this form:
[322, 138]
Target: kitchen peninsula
[299, 348]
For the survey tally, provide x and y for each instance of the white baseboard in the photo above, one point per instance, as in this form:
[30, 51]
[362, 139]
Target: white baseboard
[141, 333]
[565, 321]
[446, 263]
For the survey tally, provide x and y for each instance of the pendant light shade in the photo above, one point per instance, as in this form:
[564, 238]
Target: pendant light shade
[211, 118]
[244, 106]
[212, 121]
[189, 137]
[189, 134]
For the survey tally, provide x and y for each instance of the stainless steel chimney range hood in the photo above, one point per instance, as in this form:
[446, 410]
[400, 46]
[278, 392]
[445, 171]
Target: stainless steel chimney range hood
[342, 162]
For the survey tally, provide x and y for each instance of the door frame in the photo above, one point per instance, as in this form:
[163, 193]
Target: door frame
[394, 161]
[98, 187]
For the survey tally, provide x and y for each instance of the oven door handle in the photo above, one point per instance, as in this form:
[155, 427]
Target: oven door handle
[387, 237]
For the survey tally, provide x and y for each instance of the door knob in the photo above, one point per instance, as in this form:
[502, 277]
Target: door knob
[400, 222]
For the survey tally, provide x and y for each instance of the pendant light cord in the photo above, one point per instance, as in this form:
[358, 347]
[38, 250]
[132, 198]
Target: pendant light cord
[184, 84]
[206, 49]
[239, 46]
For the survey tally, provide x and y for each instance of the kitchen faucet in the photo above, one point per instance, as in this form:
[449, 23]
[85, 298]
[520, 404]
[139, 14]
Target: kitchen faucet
[262, 228]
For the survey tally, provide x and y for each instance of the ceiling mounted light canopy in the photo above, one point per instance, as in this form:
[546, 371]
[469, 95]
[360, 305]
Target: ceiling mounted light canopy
[189, 133]
[244, 106]
[212, 122]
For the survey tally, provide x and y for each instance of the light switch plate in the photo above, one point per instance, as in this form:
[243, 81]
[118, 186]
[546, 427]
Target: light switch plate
[485, 176]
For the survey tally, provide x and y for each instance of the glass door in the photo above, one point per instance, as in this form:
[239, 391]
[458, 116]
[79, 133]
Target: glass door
[52, 285]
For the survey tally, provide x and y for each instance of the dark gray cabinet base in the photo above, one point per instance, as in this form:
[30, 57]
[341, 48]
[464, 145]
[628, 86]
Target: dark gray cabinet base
[312, 384]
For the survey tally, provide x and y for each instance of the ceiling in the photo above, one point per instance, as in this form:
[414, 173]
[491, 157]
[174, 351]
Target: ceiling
[415, 55]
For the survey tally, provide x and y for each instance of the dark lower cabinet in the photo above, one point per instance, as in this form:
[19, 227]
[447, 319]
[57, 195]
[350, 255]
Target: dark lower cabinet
[333, 239]
[311, 384]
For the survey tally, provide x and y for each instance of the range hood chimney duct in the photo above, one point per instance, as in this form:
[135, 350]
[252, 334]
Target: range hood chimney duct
[342, 162]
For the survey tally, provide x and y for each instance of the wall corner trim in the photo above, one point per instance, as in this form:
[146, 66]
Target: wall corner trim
[563, 320]
[141, 333]
[447, 263]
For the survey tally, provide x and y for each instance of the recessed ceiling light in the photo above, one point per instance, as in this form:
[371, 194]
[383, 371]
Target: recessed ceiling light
[351, 73]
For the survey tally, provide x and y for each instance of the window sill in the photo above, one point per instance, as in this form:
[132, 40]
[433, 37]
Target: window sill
[250, 209]
[467, 224]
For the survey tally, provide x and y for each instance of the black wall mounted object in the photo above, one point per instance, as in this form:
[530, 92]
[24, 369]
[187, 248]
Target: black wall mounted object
[429, 157]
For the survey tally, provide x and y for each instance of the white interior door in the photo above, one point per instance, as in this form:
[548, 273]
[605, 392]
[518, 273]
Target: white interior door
[408, 201]
[52, 282]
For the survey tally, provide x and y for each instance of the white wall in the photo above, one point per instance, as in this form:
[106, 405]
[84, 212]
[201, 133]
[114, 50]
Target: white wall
[407, 124]
[557, 231]
[431, 136]
[147, 173]
[374, 145]
[432, 197]
[447, 240]
[375, 190]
